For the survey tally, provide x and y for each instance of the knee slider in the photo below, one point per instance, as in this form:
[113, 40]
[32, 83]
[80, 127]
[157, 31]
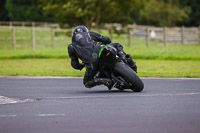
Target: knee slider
[89, 84]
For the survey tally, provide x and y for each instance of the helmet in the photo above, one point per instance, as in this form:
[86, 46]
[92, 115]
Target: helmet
[80, 28]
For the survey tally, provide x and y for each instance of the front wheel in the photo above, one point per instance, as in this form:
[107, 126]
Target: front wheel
[128, 74]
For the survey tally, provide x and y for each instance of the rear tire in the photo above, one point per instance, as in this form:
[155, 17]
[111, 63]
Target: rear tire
[128, 74]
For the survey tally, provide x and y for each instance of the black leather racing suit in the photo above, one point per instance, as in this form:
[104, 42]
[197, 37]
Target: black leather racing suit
[85, 46]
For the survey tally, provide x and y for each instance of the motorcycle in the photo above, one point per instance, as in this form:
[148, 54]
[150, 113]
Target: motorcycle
[118, 70]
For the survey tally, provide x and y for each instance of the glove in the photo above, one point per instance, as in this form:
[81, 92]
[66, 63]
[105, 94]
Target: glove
[134, 67]
[81, 66]
[131, 62]
[122, 54]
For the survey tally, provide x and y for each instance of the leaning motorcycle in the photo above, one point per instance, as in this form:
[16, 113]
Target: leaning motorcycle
[118, 70]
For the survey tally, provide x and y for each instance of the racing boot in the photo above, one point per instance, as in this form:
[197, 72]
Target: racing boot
[107, 82]
[131, 62]
[99, 81]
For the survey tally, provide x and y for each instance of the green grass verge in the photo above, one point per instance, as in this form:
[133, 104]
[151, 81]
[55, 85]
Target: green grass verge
[62, 67]
[170, 52]
[29, 53]
[157, 52]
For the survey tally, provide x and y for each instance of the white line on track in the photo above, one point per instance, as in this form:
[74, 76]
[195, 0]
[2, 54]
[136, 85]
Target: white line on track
[7, 100]
[1, 116]
[36, 115]
[85, 97]
[10, 100]
[133, 95]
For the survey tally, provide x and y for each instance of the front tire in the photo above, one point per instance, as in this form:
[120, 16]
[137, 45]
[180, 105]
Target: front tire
[127, 73]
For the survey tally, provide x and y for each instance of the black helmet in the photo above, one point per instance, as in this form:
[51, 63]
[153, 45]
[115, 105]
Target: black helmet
[80, 28]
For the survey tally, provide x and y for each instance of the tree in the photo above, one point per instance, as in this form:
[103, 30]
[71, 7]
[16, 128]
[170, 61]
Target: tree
[25, 10]
[164, 13]
[136, 6]
[74, 12]
[3, 11]
[194, 14]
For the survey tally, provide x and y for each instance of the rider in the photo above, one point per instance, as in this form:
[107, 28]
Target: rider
[85, 46]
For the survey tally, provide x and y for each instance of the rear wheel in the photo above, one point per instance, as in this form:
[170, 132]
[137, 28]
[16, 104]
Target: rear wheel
[127, 73]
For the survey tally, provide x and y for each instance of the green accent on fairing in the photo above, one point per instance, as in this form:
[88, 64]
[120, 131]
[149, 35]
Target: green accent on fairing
[103, 46]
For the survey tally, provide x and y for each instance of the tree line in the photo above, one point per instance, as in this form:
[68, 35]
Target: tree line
[97, 12]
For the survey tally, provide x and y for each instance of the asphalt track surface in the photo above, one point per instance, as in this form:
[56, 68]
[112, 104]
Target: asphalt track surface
[63, 105]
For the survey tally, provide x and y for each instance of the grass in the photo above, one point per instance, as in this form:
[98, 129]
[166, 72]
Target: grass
[157, 52]
[167, 68]
[29, 53]
[62, 67]
[38, 67]
[171, 52]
